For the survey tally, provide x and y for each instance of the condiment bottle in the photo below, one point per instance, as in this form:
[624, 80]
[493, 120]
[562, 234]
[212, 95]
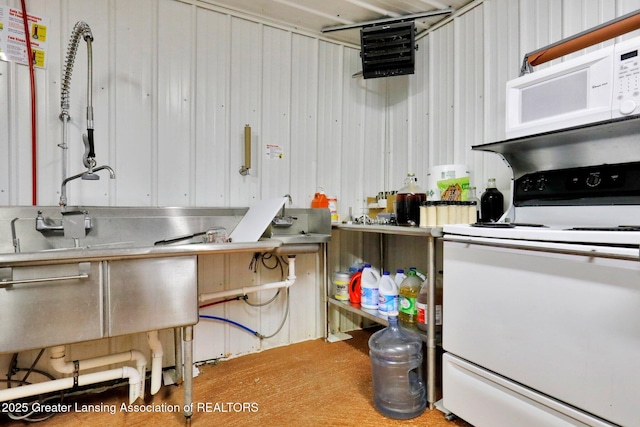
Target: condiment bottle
[408, 202]
[491, 203]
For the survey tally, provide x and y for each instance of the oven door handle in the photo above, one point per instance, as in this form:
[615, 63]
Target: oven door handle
[610, 252]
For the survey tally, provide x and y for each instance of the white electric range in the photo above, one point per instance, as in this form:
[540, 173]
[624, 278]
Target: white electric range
[541, 316]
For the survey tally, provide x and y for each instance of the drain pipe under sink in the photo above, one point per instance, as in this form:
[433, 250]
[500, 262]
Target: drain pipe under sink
[71, 382]
[291, 279]
[58, 363]
[156, 361]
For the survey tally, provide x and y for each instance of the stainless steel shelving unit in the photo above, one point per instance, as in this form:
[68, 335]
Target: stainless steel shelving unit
[430, 337]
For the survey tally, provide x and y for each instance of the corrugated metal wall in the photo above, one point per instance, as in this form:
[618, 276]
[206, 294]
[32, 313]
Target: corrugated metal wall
[175, 82]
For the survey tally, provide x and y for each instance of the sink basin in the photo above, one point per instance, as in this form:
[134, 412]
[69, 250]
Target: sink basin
[307, 226]
[132, 232]
[295, 239]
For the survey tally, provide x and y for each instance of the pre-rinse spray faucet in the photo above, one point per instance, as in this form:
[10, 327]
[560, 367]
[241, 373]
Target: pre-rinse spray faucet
[81, 29]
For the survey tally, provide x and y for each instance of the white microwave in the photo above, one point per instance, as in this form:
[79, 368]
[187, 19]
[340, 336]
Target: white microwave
[597, 86]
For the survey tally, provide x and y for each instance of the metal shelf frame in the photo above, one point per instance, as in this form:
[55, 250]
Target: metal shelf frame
[430, 339]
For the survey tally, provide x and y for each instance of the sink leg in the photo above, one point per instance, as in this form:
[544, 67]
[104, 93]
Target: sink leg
[187, 337]
[177, 339]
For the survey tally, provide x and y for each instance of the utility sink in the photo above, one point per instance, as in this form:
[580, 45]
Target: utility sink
[39, 234]
[301, 226]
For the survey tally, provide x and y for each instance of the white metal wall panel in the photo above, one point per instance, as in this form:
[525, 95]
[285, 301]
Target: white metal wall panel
[133, 82]
[245, 108]
[213, 161]
[355, 146]
[304, 122]
[468, 123]
[398, 146]
[275, 113]
[441, 55]
[416, 153]
[176, 93]
[501, 63]
[328, 151]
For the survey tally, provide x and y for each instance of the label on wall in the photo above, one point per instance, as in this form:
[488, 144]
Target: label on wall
[274, 151]
[13, 44]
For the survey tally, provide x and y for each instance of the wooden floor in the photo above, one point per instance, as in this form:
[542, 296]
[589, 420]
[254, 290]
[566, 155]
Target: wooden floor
[315, 383]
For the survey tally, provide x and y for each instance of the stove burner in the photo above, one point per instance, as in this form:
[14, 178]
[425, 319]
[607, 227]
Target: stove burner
[614, 228]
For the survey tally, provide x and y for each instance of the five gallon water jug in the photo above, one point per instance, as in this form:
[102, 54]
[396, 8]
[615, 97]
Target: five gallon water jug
[396, 368]
[369, 285]
[387, 294]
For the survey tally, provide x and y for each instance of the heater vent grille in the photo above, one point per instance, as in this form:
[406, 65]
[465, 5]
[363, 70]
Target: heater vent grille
[388, 50]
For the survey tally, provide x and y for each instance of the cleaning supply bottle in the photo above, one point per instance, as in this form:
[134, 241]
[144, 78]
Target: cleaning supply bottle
[408, 292]
[388, 294]
[369, 285]
[396, 366]
[320, 200]
[422, 302]
[355, 289]
[399, 277]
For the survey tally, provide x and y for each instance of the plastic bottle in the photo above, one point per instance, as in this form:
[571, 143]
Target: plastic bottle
[341, 281]
[387, 294]
[399, 277]
[408, 292]
[396, 367]
[422, 302]
[369, 285]
[355, 289]
[408, 202]
[320, 200]
[474, 207]
[491, 203]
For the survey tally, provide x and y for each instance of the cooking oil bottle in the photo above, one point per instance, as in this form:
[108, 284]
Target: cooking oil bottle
[408, 293]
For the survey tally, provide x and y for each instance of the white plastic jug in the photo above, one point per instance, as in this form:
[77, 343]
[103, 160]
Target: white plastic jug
[388, 294]
[399, 277]
[369, 286]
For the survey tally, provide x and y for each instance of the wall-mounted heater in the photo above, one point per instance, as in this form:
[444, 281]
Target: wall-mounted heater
[388, 50]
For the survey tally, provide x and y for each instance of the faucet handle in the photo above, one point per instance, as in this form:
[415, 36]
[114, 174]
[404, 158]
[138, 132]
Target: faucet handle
[89, 155]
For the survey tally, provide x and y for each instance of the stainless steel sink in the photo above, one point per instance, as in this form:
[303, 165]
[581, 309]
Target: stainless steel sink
[303, 226]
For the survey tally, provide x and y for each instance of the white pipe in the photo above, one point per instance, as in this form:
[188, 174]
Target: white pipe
[245, 290]
[291, 279]
[67, 383]
[58, 363]
[156, 362]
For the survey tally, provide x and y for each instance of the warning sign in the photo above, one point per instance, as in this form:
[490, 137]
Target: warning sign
[13, 40]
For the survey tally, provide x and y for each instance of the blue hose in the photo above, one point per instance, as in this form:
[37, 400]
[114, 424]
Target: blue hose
[222, 319]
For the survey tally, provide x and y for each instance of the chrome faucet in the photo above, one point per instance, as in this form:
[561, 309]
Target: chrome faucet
[81, 29]
[89, 175]
[281, 220]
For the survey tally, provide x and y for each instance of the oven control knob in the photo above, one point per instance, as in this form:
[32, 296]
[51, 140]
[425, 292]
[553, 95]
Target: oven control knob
[541, 183]
[527, 184]
[593, 180]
